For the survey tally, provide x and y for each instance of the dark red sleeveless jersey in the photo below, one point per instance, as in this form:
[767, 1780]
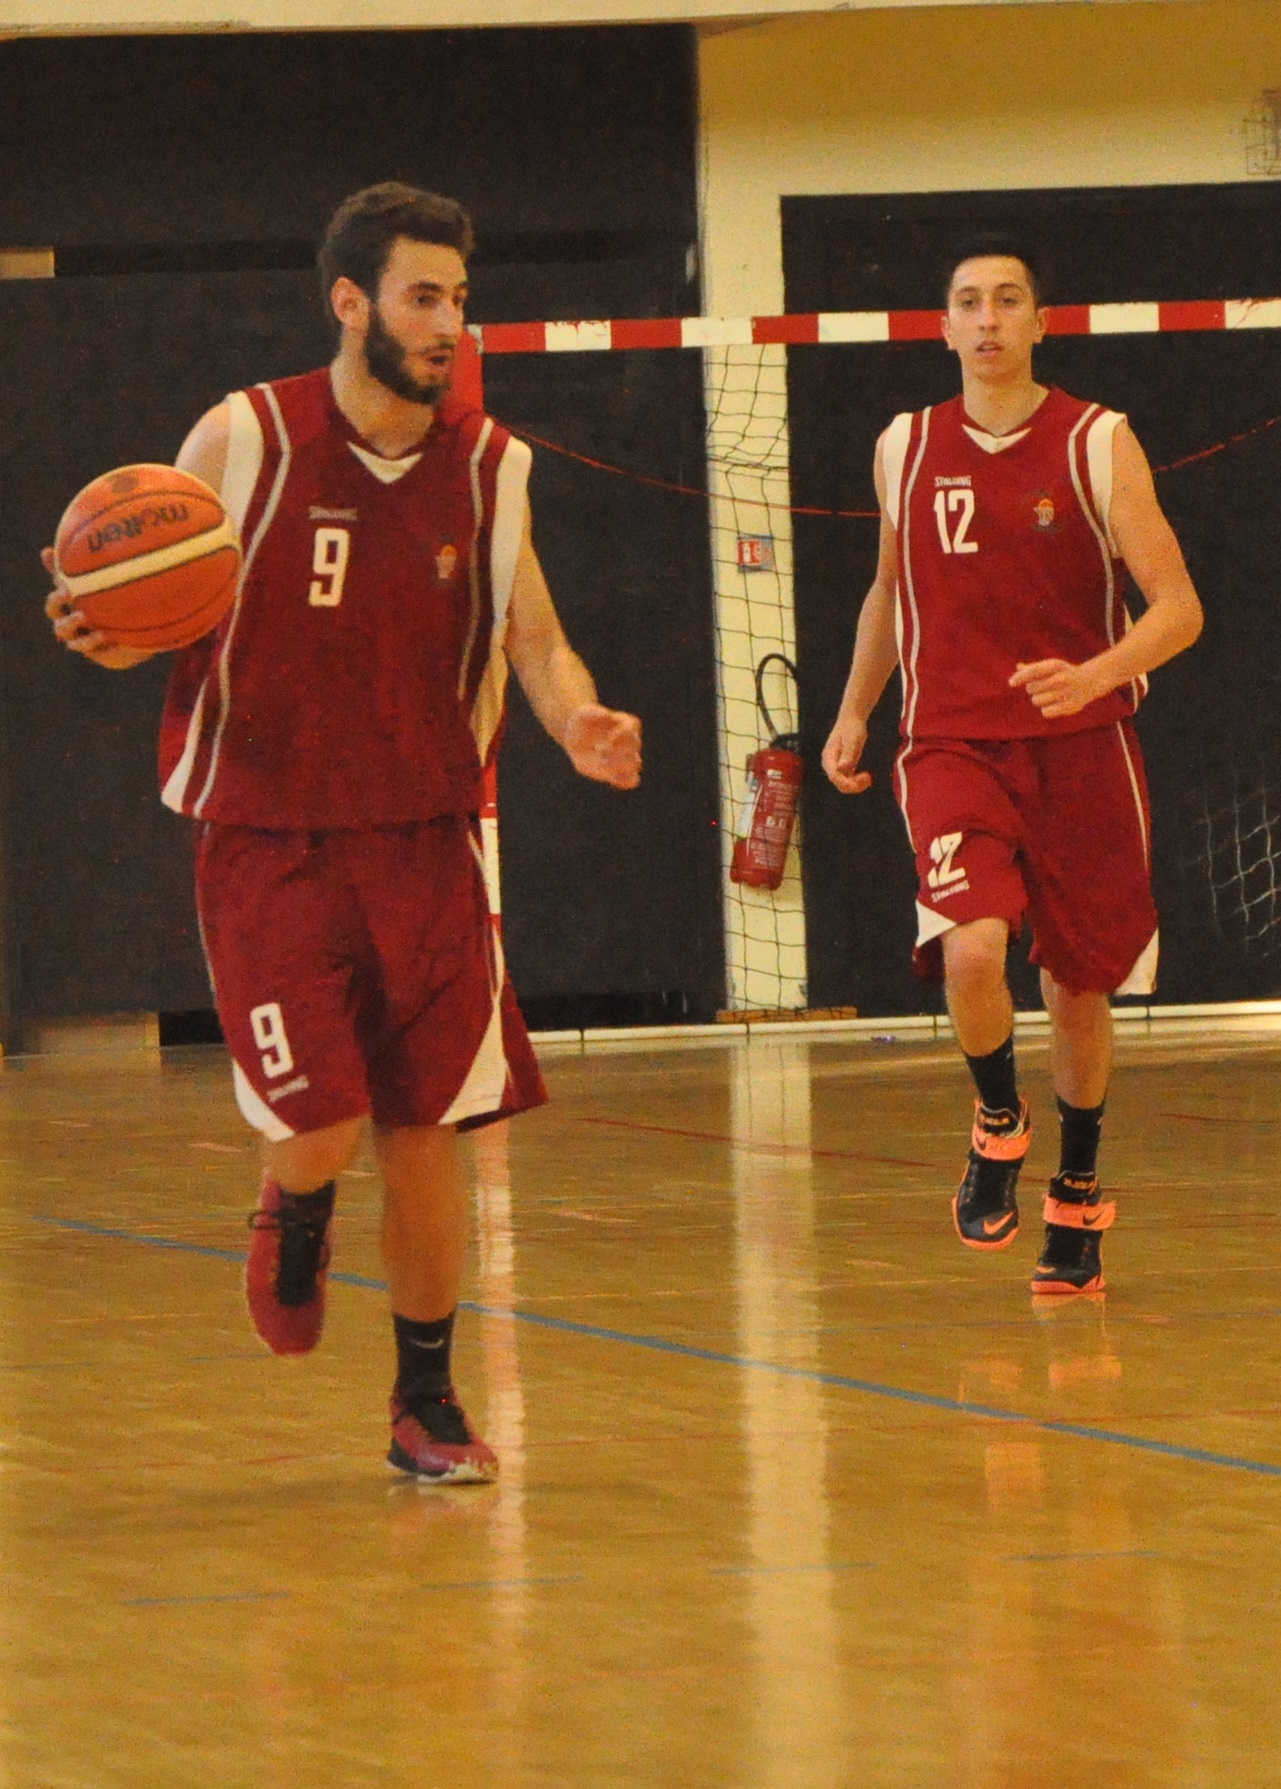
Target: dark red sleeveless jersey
[1004, 558]
[358, 679]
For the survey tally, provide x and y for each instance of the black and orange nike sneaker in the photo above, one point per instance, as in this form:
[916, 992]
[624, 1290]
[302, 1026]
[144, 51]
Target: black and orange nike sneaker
[1076, 1215]
[985, 1210]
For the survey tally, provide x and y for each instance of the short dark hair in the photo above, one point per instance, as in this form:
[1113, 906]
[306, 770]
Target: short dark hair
[358, 241]
[997, 242]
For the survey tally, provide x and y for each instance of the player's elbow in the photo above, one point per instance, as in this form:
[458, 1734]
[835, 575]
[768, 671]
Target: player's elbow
[1193, 618]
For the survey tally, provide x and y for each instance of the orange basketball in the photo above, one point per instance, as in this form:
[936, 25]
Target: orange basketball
[149, 555]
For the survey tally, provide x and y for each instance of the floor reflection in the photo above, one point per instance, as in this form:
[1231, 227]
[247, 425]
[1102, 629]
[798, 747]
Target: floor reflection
[505, 1422]
[798, 1706]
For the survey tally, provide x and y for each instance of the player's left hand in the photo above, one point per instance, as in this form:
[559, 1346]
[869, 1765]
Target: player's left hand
[1057, 688]
[604, 744]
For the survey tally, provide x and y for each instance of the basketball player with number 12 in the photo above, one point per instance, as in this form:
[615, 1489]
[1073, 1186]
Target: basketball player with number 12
[1009, 517]
[328, 738]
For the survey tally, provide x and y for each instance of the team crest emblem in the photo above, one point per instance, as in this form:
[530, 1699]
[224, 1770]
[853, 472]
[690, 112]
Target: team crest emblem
[1044, 511]
[446, 563]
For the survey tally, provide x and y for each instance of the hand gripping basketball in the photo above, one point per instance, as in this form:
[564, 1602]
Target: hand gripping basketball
[147, 557]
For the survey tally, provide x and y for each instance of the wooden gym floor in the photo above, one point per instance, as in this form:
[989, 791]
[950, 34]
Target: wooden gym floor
[797, 1493]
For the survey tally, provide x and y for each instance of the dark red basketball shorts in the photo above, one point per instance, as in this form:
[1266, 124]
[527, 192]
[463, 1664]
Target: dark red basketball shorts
[360, 972]
[1054, 831]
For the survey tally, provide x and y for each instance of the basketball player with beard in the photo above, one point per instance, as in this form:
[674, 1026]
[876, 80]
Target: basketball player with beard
[329, 740]
[1009, 518]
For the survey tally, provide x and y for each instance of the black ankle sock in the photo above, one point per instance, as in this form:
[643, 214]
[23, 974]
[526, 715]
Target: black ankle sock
[1079, 1131]
[422, 1357]
[995, 1078]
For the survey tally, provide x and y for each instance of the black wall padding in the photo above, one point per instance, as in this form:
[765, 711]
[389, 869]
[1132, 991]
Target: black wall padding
[606, 891]
[1208, 728]
[200, 162]
[94, 373]
[574, 148]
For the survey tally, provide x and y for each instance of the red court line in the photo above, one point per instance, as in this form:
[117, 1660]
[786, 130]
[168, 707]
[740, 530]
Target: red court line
[841, 1155]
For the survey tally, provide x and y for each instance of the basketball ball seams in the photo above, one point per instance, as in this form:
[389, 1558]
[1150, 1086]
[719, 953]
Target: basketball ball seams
[134, 486]
[148, 557]
[221, 537]
[154, 633]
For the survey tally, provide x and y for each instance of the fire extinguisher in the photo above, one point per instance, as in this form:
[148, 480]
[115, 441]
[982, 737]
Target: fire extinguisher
[765, 821]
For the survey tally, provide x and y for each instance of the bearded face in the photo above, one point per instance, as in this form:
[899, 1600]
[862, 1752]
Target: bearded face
[388, 360]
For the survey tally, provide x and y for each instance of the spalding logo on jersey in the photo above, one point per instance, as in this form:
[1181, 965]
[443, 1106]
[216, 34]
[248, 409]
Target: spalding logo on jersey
[446, 563]
[1044, 511]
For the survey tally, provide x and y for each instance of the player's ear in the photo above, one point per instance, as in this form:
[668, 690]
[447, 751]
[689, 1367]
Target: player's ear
[1042, 322]
[350, 303]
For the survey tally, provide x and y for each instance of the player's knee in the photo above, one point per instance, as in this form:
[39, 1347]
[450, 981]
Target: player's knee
[313, 1157]
[974, 955]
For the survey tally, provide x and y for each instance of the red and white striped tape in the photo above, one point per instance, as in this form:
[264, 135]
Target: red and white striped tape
[859, 326]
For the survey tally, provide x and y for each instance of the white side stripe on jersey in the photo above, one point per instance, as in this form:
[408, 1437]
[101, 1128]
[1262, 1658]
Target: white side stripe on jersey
[509, 524]
[224, 657]
[255, 1110]
[1105, 551]
[1099, 442]
[911, 683]
[244, 459]
[1142, 978]
[245, 453]
[473, 567]
[486, 1079]
[507, 531]
[1138, 799]
[893, 456]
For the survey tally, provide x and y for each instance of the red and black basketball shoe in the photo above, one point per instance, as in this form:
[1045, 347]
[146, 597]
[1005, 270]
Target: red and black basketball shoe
[286, 1267]
[985, 1209]
[1076, 1215]
[435, 1442]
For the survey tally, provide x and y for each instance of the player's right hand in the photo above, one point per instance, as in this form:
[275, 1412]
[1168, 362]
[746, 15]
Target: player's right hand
[841, 754]
[75, 633]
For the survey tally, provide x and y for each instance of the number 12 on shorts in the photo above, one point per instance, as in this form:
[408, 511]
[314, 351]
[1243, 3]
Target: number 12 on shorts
[269, 1034]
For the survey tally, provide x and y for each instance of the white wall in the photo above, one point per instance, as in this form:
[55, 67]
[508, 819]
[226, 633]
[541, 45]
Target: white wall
[944, 100]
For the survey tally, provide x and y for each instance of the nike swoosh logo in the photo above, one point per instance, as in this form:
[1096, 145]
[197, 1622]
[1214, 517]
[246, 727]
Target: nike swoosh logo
[1088, 1223]
[992, 1225]
[418, 1344]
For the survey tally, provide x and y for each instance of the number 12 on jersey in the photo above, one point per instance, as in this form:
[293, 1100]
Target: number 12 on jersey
[947, 504]
[329, 563]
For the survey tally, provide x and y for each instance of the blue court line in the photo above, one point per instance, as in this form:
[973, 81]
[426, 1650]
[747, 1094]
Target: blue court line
[1060, 1558]
[774, 1571]
[175, 1602]
[1170, 1450]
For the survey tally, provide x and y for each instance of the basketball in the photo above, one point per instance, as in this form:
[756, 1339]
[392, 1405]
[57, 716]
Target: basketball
[149, 556]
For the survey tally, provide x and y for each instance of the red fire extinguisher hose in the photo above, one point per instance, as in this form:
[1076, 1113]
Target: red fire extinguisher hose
[774, 775]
